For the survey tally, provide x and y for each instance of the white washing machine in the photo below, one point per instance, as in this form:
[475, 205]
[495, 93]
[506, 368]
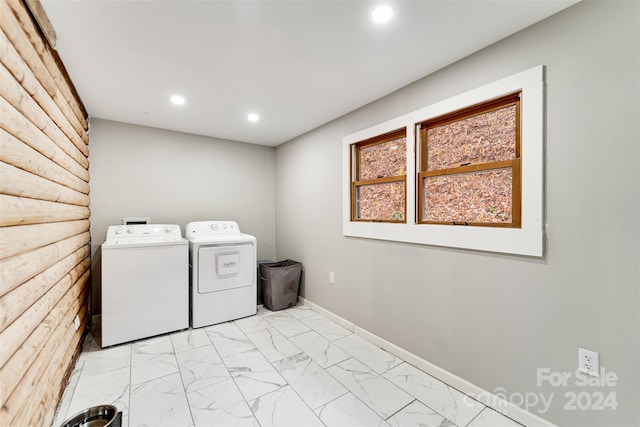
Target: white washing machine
[145, 282]
[223, 272]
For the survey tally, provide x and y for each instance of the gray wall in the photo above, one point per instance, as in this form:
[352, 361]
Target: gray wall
[177, 178]
[494, 319]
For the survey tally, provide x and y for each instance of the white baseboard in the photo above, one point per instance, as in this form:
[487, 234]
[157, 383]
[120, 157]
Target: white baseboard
[489, 399]
[328, 314]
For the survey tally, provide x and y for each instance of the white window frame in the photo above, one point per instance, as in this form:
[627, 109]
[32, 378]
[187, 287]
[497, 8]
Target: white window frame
[526, 240]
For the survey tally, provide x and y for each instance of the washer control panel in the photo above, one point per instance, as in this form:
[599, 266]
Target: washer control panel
[143, 230]
[212, 229]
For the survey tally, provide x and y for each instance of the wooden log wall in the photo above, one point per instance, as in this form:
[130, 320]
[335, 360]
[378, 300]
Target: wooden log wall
[44, 221]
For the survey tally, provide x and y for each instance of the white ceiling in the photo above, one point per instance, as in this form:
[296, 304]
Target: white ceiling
[299, 64]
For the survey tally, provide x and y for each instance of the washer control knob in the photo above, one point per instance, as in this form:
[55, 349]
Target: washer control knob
[168, 229]
[224, 225]
[119, 231]
[214, 227]
[129, 230]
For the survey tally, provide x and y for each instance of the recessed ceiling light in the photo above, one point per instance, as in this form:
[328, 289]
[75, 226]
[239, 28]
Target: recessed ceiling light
[177, 100]
[382, 14]
[253, 117]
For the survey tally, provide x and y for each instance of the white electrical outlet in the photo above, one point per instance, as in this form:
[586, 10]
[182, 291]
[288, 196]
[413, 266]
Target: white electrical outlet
[589, 362]
[76, 322]
[332, 278]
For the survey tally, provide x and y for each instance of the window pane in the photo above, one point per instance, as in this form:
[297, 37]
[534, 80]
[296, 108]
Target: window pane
[483, 196]
[484, 138]
[383, 160]
[381, 202]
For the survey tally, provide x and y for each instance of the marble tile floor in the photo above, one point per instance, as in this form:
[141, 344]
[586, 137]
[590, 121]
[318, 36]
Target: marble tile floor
[287, 368]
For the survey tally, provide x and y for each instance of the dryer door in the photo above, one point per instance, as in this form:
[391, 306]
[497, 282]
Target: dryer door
[222, 267]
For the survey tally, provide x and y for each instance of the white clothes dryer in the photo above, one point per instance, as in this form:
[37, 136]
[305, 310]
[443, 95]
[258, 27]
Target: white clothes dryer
[145, 282]
[222, 263]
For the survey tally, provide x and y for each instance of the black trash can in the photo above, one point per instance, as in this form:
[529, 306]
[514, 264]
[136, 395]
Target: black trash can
[259, 285]
[280, 282]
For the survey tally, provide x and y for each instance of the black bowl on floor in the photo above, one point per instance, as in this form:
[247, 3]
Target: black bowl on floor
[96, 416]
